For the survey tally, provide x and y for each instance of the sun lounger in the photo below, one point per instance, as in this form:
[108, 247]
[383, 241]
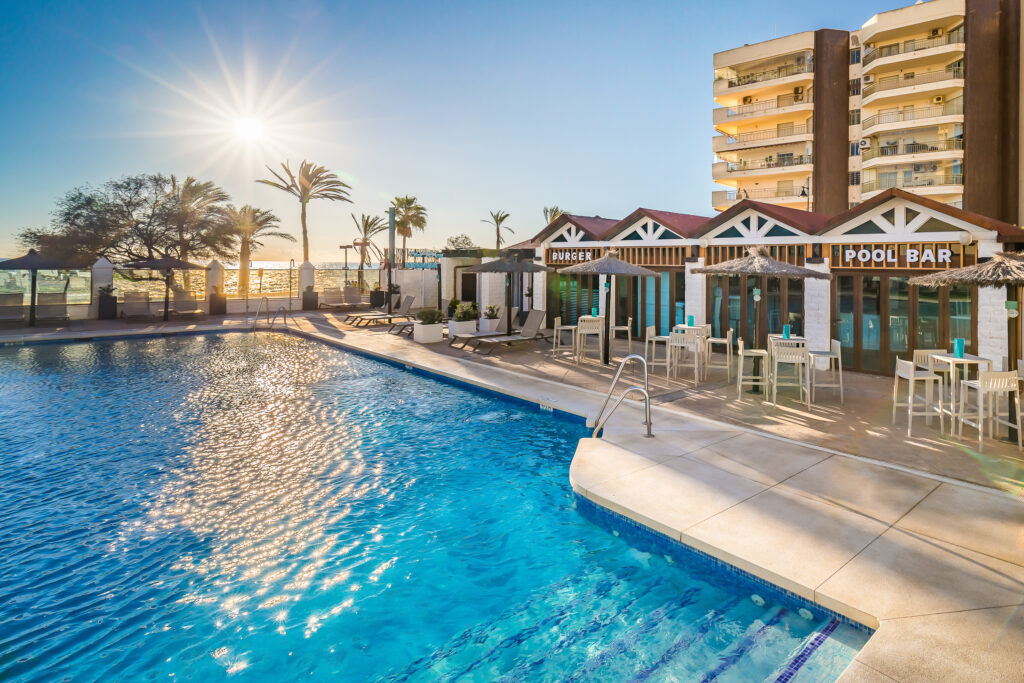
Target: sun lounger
[467, 337]
[405, 326]
[353, 296]
[11, 309]
[136, 305]
[404, 312]
[185, 304]
[51, 307]
[531, 332]
[351, 317]
[332, 298]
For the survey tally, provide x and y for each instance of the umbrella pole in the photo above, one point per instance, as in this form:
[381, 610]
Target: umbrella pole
[508, 303]
[606, 351]
[167, 297]
[32, 301]
[1011, 335]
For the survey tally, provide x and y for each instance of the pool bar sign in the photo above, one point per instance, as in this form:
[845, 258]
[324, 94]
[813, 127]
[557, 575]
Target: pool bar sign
[923, 256]
[570, 256]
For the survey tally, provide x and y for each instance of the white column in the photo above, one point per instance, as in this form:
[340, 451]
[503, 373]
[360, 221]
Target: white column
[307, 277]
[993, 342]
[102, 276]
[818, 310]
[214, 278]
[601, 279]
[696, 291]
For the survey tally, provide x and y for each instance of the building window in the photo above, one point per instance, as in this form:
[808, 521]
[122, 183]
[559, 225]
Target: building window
[855, 56]
[854, 86]
[855, 148]
[854, 117]
[855, 177]
[852, 204]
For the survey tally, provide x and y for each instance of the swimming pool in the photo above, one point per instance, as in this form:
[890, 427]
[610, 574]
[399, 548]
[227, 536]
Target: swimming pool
[263, 507]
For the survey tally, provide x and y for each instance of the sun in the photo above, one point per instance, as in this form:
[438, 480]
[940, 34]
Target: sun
[250, 130]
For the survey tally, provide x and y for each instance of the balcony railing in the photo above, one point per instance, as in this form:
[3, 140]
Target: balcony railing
[767, 134]
[782, 162]
[779, 102]
[902, 81]
[757, 193]
[771, 74]
[903, 148]
[911, 46]
[924, 180]
[952, 108]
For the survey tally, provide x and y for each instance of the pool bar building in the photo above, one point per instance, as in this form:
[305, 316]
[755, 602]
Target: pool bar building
[871, 250]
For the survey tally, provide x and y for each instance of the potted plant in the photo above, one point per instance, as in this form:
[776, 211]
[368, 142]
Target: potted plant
[452, 305]
[107, 303]
[310, 299]
[489, 323]
[429, 326]
[464, 319]
[377, 298]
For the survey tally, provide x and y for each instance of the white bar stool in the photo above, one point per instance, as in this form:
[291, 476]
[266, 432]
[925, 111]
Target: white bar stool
[750, 380]
[834, 356]
[651, 340]
[628, 329]
[797, 357]
[993, 384]
[559, 328]
[906, 370]
[721, 341]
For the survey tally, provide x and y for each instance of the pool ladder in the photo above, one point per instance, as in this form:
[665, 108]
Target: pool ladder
[259, 308]
[282, 311]
[645, 391]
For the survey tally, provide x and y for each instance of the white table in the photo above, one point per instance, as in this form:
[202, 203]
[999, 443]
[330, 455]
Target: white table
[968, 360]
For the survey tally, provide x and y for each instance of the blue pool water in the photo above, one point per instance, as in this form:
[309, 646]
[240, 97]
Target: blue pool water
[265, 508]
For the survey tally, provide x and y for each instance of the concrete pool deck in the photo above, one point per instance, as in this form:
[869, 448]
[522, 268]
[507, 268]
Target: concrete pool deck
[936, 565]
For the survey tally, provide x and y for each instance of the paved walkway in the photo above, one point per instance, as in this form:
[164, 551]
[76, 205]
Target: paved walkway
[935, 564]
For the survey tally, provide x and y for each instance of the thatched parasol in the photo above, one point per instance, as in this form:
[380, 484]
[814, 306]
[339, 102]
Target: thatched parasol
[609, 264]
[759, 262]
[1002, 270]
[33, 262]
[167, 264]
[509, 266]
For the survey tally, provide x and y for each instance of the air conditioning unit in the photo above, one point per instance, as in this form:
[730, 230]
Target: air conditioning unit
[937, 99]
[936, 32]
[869, 78]
[918, 168]
[865, 143]
[748, 99]
[799, 59]
[798, 90]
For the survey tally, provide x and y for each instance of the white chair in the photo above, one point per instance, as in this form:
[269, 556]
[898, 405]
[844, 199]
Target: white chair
[721, 341]
[834, 356]
[588, 327]
[651, 341]
[628, 329]
[686, 348]
[990, 384]
[905, 370]
[559, 329]
[797, 357]
[751, 380]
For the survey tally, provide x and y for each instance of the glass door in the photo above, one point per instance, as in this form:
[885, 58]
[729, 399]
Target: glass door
[846, 296]
[871, 323]
[899, 321]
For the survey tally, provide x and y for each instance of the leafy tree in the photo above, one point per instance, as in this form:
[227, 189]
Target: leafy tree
[460, 242]
[312, 182]
[409, 215]
[366, 227]
[498, 219]
[551, 213]
[250, 226]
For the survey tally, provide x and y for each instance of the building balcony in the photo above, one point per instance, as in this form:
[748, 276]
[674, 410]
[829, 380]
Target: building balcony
[913, 51]
[781, 105]
[897, 119]
[722, 199]
[893, 86]
[924, 183]
[781, 74]
[745, 168]
[760, 138]
[919, 150]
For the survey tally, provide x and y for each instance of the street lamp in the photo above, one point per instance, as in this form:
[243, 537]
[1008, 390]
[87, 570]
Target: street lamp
[805, 191]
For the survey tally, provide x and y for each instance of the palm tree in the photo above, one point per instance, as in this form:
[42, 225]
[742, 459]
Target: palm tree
[367, 227]
[498, 219]
[551, 213]
[312, 182]
[409, 215]
[195, 220]
[250, 225]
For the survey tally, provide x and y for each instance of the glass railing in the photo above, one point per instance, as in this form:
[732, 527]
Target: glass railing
[761, 193]
[906, 81]
[767, 134]
[779, 102]
[771, 74]
[921, 180]
[781, 162]
[953, 107]
[915, 147]
[912, 46]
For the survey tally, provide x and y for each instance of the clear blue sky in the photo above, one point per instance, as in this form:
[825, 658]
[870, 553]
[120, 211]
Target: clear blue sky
[597, 107]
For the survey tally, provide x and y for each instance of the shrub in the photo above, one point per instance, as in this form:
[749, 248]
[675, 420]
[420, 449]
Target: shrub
[466, 311]
[452, 305]
[105, 290]
[430, 316]
[491, 312]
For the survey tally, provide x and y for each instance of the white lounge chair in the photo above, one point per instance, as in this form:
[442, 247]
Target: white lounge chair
[51, 307]
[502, 330]
[356, 315]
[353, 296]
[11, 308]
[405, 326]
[404, 312]
[136, 305]
[185, 304]
[332, 298]
[531, 332]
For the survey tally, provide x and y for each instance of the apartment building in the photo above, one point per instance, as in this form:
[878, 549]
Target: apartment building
[825, 119]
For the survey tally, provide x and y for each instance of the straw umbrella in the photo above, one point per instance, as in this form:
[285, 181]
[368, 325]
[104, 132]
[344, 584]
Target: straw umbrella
[167, 264]
[33, 261]
[509, 266]
[611, 265]
[1004, 269]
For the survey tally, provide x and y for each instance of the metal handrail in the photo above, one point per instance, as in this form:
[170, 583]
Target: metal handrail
[259, 307]
[645, 390]
[284, 317]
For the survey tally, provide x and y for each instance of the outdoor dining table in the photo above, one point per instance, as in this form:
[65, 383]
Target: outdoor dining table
[955, 364]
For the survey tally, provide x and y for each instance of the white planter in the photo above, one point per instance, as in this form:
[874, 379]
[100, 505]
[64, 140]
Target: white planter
[461, 327]
[488, 325]
[427, 334]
